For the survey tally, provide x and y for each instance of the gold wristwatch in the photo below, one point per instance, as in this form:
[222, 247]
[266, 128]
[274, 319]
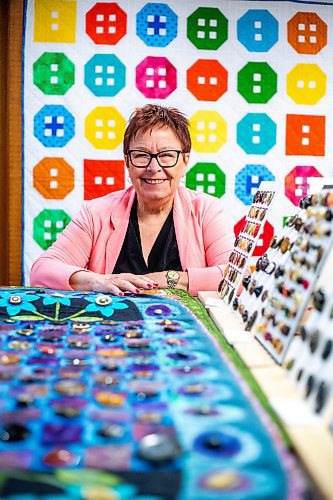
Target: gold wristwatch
[172, 278]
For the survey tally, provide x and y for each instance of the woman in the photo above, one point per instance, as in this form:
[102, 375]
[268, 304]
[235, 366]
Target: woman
[153, 234]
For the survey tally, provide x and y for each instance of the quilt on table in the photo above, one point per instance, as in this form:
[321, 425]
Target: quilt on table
[104, 396]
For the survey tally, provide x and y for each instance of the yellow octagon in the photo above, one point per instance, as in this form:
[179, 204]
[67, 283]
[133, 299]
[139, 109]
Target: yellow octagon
[105, 127]
[208, 131]
[306, 84]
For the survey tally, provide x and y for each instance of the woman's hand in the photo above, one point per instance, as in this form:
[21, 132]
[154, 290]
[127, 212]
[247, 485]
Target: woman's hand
[111, 283]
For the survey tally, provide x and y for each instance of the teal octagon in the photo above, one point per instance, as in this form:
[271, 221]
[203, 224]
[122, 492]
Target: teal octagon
[207, 28]
[53, 73]
[256, 133]
[47, 226]
[257, 82]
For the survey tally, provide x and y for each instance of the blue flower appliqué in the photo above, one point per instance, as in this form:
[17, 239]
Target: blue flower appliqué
[105, 304]
[56, 298]
[23, 302]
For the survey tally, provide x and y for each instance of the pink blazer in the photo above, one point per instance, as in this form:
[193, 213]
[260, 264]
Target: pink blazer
[93, 240]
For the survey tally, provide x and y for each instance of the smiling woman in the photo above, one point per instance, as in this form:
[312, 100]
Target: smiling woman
[155, 234]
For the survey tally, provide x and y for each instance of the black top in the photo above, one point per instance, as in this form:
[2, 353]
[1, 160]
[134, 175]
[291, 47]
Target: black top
[164, 254]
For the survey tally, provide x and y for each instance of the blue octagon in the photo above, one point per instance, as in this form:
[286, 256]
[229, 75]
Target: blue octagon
[248, 181]
[156, 24]
[257, 30]
[104, 75]
[54, 126]
[256, 133]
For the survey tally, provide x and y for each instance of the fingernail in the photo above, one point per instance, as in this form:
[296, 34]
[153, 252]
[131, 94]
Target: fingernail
[155, 283]
[137, 290]
[149, 285]
[121, 294]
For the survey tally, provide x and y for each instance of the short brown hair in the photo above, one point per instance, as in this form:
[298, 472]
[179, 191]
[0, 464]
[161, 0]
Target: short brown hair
[152, 115]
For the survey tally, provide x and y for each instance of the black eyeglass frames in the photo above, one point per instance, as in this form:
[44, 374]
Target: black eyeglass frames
[165, 159]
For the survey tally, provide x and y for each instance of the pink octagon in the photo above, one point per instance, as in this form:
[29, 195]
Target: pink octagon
[156, 77]
[296, 182]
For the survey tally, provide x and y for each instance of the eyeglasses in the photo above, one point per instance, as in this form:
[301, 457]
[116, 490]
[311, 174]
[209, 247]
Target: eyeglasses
[165, 159]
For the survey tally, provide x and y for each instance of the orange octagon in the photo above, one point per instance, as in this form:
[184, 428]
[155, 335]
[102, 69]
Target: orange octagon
[307, 33]
[207, 80]
[53, 178]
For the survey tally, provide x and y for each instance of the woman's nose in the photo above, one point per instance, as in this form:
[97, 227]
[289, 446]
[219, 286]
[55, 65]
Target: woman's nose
[154, 166]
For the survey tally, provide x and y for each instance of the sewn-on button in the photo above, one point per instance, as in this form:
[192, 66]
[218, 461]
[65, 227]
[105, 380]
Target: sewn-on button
[69, 387]
[159, 447]
[12, 433]
[9, 359]
[103, 300]
[15, 299]
[60, 458]
[20, 345]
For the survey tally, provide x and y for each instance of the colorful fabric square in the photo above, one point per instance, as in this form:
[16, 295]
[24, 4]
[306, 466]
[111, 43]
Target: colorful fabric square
[47, 225]
[258, 30]
[53, 178]
[207, 28]
[208, 131]
[305, 135]
[54, 126]
[54, 73]
[105, 75]
[102, 177]
[256, 133]
[156, 77]
[248, 181]
[296, 182]
[156, 24]
[106, 23]
[206, 178]
[307, 33]
[207, 80]
[55, 21]
[257, 82]
[105, 127]
[306, 84]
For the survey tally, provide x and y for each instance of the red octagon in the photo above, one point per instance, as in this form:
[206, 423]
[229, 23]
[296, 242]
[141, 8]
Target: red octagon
[207, 80]
[106, 23]
[264, 239]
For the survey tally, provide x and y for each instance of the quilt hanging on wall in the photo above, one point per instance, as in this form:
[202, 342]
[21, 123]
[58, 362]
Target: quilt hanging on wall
[254, 78]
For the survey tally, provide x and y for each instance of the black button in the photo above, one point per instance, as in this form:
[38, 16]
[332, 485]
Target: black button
[327, 349]
[12, 433]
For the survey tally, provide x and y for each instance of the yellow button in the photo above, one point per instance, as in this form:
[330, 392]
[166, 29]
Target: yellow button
[109, 398]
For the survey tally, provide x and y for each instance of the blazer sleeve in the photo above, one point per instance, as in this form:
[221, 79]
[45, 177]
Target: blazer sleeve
[68, 254]
[218, 238]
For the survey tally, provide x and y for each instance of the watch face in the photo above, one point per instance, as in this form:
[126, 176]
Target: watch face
[174, 275]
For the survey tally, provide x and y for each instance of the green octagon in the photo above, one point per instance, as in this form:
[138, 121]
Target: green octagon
[207, 28]
[257, 82]
[53, 73]
[206, 178]
[47, 225]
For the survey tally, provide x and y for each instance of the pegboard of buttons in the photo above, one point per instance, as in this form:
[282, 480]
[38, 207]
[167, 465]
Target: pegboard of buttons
[303, 261]
[246, 241]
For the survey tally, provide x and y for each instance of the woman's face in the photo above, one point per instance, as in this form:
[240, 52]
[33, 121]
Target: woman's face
[155, 183]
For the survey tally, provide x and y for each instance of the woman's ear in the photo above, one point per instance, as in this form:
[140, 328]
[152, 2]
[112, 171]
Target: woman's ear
[186, 157]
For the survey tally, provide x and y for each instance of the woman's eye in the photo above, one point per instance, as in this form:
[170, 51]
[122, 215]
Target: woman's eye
[140, 155]
[166, 154]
